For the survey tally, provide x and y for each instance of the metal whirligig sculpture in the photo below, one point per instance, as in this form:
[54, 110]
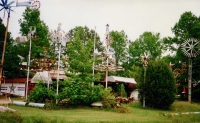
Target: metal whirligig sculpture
[108, 64]
[58, 38]
[145, 58]
[191, 48]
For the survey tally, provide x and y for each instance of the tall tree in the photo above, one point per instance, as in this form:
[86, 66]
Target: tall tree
[188, 26]
[80, 51]
[148, 42]
[11, 60]
[31, 20]
[118, 46]
[159, 86]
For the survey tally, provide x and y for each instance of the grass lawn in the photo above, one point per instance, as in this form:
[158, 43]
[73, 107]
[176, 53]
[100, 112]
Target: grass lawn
[136, 114]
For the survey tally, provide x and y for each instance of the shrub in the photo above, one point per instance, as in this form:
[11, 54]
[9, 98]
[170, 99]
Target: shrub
[159, 87]
[81, 93]
[41, 94]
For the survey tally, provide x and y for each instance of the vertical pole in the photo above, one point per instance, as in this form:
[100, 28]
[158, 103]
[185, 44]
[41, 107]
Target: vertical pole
[144, 85]
[4, 47]
[107, 43]
[58, 76]
[29, 58]
[189, 79]
[48, 79]
[94, 55]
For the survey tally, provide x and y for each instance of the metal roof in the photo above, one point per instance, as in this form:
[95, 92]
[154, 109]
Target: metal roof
[121, 79]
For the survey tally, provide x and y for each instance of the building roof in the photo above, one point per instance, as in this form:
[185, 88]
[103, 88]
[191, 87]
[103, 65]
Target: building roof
[15, 80]
[41, 76]
[121, 79]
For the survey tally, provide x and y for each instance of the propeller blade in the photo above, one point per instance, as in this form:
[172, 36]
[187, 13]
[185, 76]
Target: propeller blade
[6, 2]
[3, 2]
[4, 13]
[1, 9]
[1, 5]
[11, 3]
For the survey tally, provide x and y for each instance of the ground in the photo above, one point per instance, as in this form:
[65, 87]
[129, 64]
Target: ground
[3, 100]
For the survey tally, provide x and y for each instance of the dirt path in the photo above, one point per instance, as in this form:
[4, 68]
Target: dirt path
[3, 100]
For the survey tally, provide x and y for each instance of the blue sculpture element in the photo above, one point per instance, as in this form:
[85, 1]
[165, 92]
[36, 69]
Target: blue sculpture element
[6, 6]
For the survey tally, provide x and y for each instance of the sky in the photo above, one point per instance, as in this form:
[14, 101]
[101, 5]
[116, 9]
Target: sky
[133, 16]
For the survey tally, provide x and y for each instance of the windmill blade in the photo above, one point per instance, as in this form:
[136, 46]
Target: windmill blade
[2, 2]
[11, 3]
[1, 9]
[4, 13]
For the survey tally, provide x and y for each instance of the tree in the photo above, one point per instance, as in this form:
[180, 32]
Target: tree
[159, 87]
[80, 51]
[118, 46]
[188, 26]
[149, 43]
[31, 20]
[10, 68]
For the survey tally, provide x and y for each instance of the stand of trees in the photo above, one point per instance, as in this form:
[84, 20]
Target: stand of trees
[79, 50]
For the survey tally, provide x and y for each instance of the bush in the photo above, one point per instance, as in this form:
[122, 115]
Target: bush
[81, 93]
[41, 94]
[159, 87]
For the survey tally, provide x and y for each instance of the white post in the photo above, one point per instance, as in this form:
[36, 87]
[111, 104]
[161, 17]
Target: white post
[94, 55]
[107, 50]
[58, 71]
[29, 58]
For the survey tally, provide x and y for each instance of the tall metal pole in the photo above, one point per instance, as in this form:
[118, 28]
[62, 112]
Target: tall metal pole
[94, 54]
[58, 76]
[191, 49]
[4, 47]
[145, 64]
[29, 58]
[189, 79]
[145, 69]
[107, 44]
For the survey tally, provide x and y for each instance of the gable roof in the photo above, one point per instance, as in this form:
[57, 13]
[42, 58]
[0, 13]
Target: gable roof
[42, 76]
[121, 79]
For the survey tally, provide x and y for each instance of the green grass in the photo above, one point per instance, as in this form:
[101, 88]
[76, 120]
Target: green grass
[136, 114]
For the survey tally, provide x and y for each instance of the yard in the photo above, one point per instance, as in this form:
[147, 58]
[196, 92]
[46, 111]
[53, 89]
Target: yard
[136, 114]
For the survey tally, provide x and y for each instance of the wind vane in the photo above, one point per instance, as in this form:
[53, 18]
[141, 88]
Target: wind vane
[6, 6]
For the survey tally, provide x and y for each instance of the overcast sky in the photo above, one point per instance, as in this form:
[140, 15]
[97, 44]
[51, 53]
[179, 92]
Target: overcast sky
[132, 16]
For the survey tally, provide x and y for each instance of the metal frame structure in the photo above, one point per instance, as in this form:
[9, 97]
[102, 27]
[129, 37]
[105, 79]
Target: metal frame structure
[108, 64]
[145, 64]
[191, 48]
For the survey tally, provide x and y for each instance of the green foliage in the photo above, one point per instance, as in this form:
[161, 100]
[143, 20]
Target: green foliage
[11, 65]
[119, 90]
[31, 19]
[41, 94]
[10, 117]
[81, 93]
[188, 26]
[196, 93]
[79, 51]
[147, 42]
[118, 46]
[159, 87]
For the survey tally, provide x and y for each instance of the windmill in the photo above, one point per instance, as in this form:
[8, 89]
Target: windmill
[6, 7]
[191, 48]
